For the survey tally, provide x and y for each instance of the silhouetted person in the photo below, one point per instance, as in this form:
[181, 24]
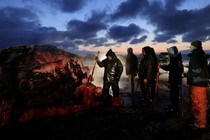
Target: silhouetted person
[197, 79]
[113, 69]
[176, 70]
[145, 74]
[131, 69]
[155, 74]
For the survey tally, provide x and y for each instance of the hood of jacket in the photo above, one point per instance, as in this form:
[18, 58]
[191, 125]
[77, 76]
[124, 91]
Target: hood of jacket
[173, 51]
[111, 53]
[147, 50]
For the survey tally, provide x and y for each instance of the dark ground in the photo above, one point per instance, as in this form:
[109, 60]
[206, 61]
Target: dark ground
[126, 123]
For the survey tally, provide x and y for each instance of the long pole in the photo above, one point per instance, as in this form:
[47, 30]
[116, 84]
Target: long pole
[94, 65]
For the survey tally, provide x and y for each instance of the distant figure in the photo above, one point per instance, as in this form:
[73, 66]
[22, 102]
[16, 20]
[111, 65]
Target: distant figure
[145, 74]
[197, 79]
[113, 69]
[155, 75]
[175, 68]
[131, 69]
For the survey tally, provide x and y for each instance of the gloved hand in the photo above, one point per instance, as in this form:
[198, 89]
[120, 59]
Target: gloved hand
[97, 59]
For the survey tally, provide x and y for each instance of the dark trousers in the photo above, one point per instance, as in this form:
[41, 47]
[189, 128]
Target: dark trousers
[131, 79]
[174, 97]
[115, 88]
[146, 91]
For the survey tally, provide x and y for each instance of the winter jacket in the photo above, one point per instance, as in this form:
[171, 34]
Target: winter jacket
[175, 68]
[155, 68]
[131, 64]
[146, 66]
[112, 68]
[198, 69]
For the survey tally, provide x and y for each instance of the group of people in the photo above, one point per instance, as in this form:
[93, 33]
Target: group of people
[148, 71]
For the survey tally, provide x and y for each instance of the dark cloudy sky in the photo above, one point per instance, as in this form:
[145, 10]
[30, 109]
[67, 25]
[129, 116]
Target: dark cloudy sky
[91, 25]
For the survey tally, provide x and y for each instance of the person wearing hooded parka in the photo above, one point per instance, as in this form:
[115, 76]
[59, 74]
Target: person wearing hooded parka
[176, 70]
[156, 66]
[145, 74]
[113, 69]
[197, 79]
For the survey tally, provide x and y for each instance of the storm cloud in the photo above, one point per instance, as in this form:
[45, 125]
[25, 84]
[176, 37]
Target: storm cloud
[124, 33]
[68, 6]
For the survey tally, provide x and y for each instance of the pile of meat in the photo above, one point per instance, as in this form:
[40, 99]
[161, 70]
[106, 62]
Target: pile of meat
[43, 81]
